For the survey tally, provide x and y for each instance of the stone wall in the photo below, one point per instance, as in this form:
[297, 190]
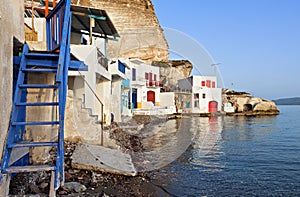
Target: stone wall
[140, 33]
[12, 25]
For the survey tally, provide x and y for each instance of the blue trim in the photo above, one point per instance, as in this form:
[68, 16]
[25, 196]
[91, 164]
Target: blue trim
[121, 67]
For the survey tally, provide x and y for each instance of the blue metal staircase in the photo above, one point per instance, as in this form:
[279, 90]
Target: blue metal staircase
[16, 152]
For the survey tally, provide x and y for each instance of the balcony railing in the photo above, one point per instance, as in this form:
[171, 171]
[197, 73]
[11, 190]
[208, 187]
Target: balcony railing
[102, 60]
[153, 83]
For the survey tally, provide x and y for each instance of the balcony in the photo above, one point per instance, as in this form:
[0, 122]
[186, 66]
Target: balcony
[102, 60]
[117, 69]
[153, 83]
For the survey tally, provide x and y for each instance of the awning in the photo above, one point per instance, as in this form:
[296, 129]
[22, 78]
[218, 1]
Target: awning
[103, 25]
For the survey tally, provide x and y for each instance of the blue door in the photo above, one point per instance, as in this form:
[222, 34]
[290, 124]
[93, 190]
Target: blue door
[134, 97]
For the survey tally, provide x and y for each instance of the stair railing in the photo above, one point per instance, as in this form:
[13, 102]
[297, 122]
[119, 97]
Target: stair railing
[58, 25]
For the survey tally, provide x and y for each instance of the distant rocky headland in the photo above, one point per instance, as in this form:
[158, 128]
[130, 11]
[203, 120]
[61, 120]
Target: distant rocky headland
[244, 103]
[288, 101]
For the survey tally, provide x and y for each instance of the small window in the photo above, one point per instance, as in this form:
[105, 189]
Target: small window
[203, 96]
[133, 74]
[196, 96]
[196, 103]
[213, 84]
[154, 77]
[203, 83]
[208, 83]
[146, 76]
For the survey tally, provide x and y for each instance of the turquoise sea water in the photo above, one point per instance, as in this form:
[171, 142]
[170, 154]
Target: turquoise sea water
[238, 156]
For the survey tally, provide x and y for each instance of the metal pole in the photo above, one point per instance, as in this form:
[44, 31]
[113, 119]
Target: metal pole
[32, 16]
[91, 30]
[47, 8]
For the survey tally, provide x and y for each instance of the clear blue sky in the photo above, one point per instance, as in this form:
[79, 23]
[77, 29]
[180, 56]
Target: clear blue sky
[257, 42]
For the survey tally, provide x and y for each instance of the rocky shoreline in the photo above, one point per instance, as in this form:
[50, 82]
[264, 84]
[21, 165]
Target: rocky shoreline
[80, 182]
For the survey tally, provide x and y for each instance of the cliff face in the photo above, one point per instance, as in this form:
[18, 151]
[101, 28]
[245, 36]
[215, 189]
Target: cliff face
[245, 104]
[173, 70]
[140, 33]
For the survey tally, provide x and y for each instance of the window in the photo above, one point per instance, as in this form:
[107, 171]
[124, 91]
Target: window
[208, 83]
[121, 67]
[154, 77]
[203, 96]
[203, 83]
[196, 100]
[213, 85]
[133, 74]
[187, 105]
[146, 76]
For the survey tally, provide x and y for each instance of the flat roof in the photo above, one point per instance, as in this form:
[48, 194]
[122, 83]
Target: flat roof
[81, 22]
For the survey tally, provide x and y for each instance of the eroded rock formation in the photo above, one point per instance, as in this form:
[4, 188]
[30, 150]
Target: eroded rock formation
[245, 104]
[173, 70]
[140, 33]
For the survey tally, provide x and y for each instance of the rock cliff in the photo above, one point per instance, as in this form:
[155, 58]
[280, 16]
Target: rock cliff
[140, 33]
[245, 104]
[173, 70]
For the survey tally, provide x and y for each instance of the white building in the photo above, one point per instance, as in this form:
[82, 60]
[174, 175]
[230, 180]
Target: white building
[145, 85]
[206, 97]
[120, 90]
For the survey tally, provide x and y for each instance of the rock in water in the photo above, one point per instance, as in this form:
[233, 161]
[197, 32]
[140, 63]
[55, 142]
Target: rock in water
[245, 104]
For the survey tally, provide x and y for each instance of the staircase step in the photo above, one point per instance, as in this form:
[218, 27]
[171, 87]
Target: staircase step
[35, 123]
[33, 168]
[38, 104]
[38, 86]
[39, 70]
[31, 144]
[42, 62]
[42, 56]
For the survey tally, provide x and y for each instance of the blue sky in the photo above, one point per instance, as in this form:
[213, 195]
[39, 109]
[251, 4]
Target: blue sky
[257, 42]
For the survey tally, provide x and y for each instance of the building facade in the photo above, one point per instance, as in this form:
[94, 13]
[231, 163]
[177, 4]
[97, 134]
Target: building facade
[206, 97]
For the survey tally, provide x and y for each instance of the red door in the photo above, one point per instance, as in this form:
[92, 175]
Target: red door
[151, 96]
[212, 106]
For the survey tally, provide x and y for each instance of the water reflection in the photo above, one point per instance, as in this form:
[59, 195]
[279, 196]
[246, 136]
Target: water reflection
[236, 156]
[206, 143]
[198, 137]
[170, 141]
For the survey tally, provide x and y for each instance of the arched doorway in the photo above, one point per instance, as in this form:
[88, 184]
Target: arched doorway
[212, 106]
[151, 96]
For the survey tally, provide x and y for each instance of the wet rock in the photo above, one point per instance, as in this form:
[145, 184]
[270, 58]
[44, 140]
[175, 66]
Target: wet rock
[74, 186]
[43, 185]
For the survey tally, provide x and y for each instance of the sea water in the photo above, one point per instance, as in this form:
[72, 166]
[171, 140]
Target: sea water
[235, 156]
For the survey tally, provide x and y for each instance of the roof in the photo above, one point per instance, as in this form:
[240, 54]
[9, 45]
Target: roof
[81, 22]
